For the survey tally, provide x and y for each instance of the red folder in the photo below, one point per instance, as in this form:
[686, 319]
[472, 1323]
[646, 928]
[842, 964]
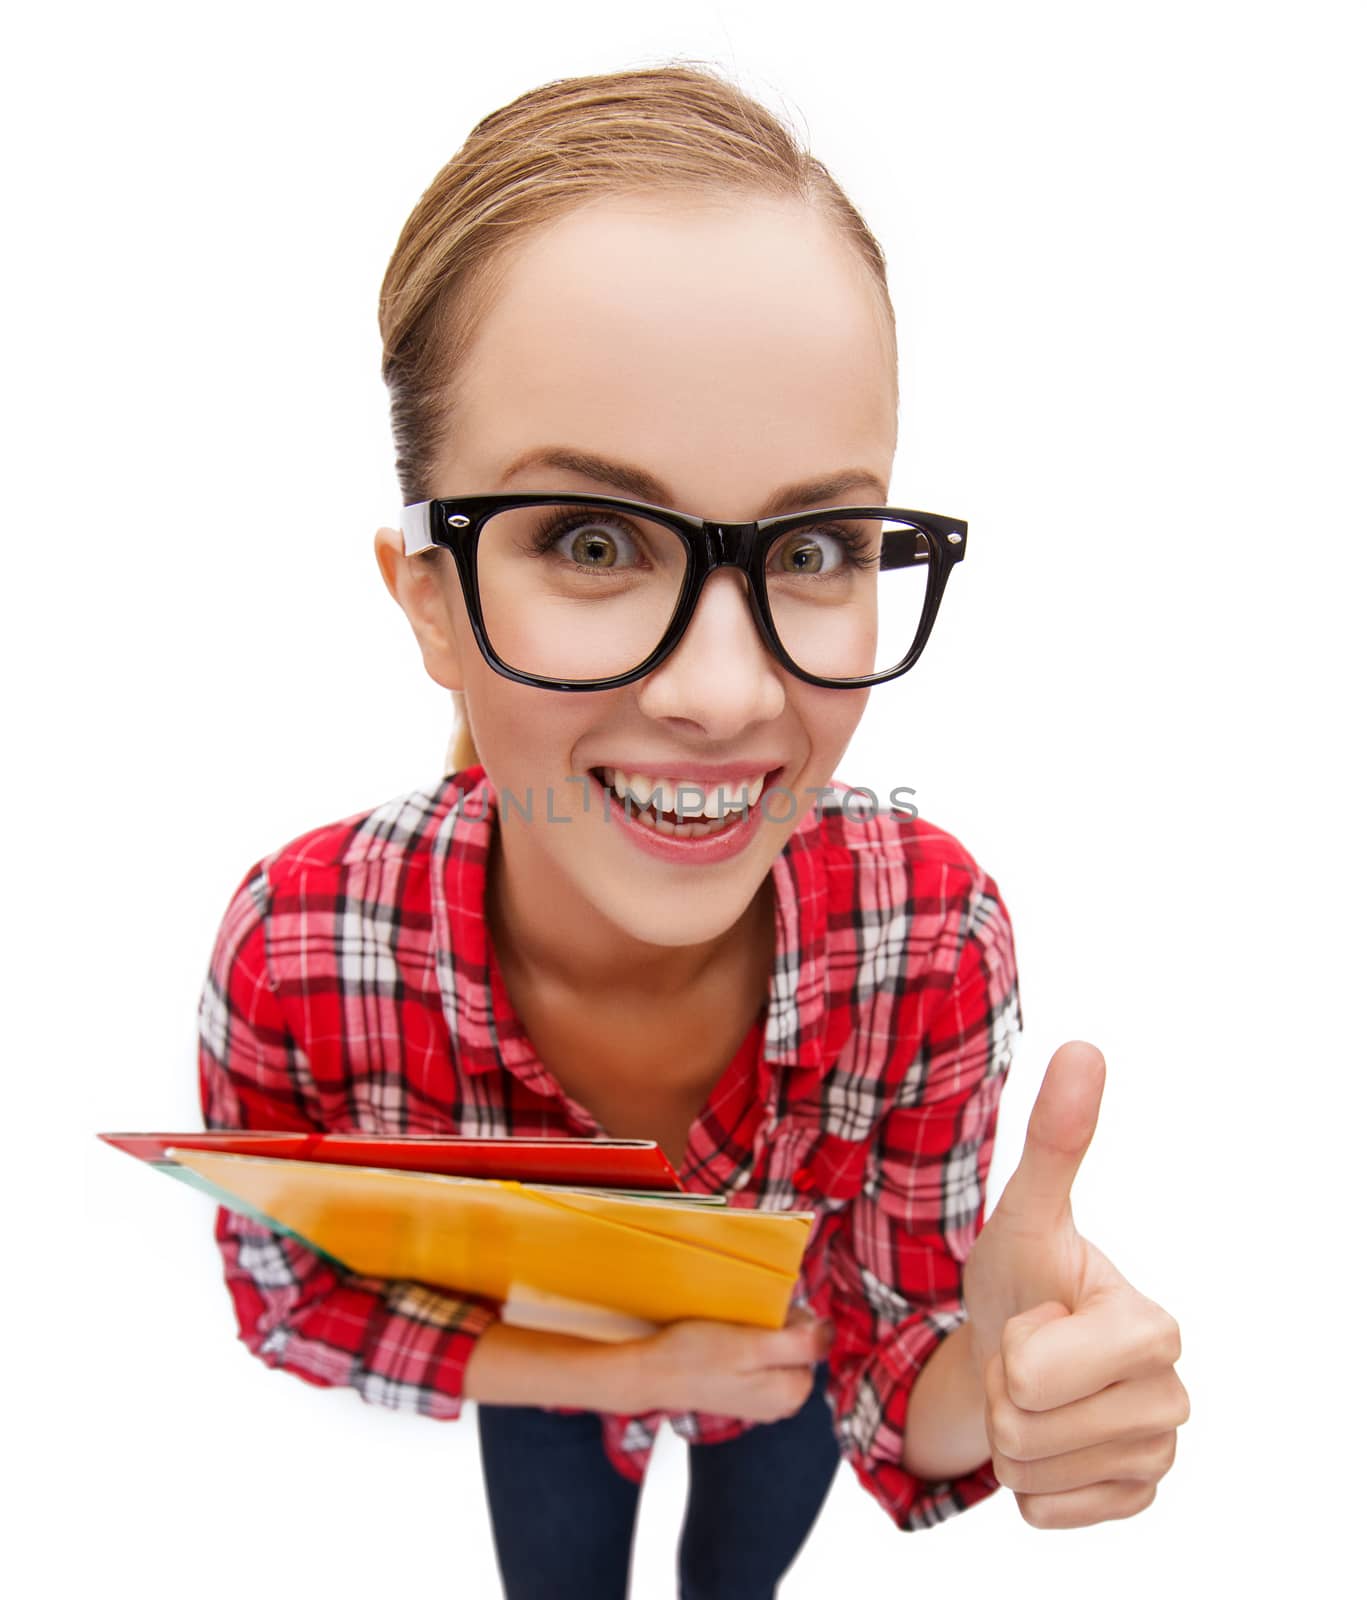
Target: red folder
[608, 1163]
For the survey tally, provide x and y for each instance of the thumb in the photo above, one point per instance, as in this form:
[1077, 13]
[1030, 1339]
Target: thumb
[804, 1338]
[1060, 1130]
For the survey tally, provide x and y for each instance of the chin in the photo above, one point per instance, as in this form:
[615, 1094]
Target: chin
[676, 920]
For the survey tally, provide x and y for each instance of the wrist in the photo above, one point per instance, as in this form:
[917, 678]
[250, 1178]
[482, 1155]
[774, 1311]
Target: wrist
[512, 1365]
[945, 1431]
[622, 1375]
[634, 1369]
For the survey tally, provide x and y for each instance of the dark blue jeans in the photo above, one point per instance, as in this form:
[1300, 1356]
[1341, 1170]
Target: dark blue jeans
[564, 1518]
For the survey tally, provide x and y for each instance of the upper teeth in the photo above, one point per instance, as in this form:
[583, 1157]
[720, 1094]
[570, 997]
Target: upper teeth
[647, 791]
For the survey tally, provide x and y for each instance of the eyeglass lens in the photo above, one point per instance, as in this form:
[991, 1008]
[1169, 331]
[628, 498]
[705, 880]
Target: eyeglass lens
[579, 592]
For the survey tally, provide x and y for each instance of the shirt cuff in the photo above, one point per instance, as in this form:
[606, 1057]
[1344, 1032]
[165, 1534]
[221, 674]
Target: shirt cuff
[399, 1343]
[870, 1410]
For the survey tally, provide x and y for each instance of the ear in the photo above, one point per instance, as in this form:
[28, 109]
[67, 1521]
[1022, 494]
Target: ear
[428, 594]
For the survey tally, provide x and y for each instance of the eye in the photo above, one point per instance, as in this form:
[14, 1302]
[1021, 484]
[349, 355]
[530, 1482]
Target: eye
[594, 542]
[810, 551]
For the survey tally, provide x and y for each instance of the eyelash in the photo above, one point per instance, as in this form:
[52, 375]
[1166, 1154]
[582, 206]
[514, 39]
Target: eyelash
[853, 547]
[555, 527]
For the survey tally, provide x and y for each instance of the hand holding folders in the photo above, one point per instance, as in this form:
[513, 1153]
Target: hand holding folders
[733, 1371]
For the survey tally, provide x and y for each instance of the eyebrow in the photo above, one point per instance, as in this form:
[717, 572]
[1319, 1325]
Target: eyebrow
[638, 484]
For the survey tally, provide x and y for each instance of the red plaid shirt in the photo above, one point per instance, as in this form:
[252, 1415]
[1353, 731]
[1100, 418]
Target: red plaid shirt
[353, 987]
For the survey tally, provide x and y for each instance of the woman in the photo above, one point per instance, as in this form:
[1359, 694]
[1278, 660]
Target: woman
[637, 313]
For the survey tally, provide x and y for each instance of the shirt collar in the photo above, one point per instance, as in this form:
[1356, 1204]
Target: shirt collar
[483, 1025]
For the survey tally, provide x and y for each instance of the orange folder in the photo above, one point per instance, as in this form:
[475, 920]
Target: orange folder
[598, 1262]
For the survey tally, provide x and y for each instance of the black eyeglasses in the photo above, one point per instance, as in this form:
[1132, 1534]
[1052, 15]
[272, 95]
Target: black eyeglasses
[582, 592]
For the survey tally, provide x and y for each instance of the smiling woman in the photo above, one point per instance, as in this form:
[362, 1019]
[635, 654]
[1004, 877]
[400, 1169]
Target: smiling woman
[674, 132]
[644, 396]
[584, 339]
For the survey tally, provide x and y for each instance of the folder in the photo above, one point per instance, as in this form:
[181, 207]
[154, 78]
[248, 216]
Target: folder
[607, 1260]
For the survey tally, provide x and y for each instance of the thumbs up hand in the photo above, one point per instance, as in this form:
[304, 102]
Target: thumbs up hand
[1083, 1401]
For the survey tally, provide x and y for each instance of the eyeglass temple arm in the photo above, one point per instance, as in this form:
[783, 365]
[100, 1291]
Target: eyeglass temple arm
[904, 552]
[416, 522]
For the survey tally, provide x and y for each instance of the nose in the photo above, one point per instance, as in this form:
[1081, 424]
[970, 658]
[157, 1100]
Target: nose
[720, 678]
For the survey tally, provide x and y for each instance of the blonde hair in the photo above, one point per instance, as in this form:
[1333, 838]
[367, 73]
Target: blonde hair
[681, 125]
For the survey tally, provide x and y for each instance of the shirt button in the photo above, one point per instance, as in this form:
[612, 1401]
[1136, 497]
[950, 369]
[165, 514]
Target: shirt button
[803, 1178]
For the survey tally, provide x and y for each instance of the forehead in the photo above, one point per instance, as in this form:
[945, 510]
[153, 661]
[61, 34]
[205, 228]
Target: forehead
[714, 339]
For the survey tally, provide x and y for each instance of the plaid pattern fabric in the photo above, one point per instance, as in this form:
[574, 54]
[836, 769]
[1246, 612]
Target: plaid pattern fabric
[353, 988]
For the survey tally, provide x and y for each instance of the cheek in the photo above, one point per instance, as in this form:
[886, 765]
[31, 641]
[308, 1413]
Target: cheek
[517, 745]
[532, 738]
[831, 717]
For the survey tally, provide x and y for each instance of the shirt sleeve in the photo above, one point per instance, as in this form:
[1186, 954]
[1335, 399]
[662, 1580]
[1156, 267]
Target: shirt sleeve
[898, 1252]
[400, 1344]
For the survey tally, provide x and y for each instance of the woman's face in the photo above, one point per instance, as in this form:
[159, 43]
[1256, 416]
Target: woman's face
[728, 351]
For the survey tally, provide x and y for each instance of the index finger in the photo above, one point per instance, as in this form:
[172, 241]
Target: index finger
[1115, 1336]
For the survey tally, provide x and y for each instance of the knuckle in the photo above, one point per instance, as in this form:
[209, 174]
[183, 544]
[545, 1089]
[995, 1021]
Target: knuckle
[1149, 1458]
[1140, 1498]
[1183, 1402]
[1167, 1335]
[1022, 1383]
[1006, 1432]
[1167, 1452]
[1010, 1474]
[1034, 1508]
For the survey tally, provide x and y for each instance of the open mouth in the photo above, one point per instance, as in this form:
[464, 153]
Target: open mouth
[698, 813]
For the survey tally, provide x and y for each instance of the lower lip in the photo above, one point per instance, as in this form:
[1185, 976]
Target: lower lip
[700, 851]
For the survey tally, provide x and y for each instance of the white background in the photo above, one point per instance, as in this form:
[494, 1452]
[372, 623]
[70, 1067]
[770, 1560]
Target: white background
[1127, 264]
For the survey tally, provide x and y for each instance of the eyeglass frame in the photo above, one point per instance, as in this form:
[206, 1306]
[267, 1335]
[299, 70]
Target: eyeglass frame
[455, 523]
